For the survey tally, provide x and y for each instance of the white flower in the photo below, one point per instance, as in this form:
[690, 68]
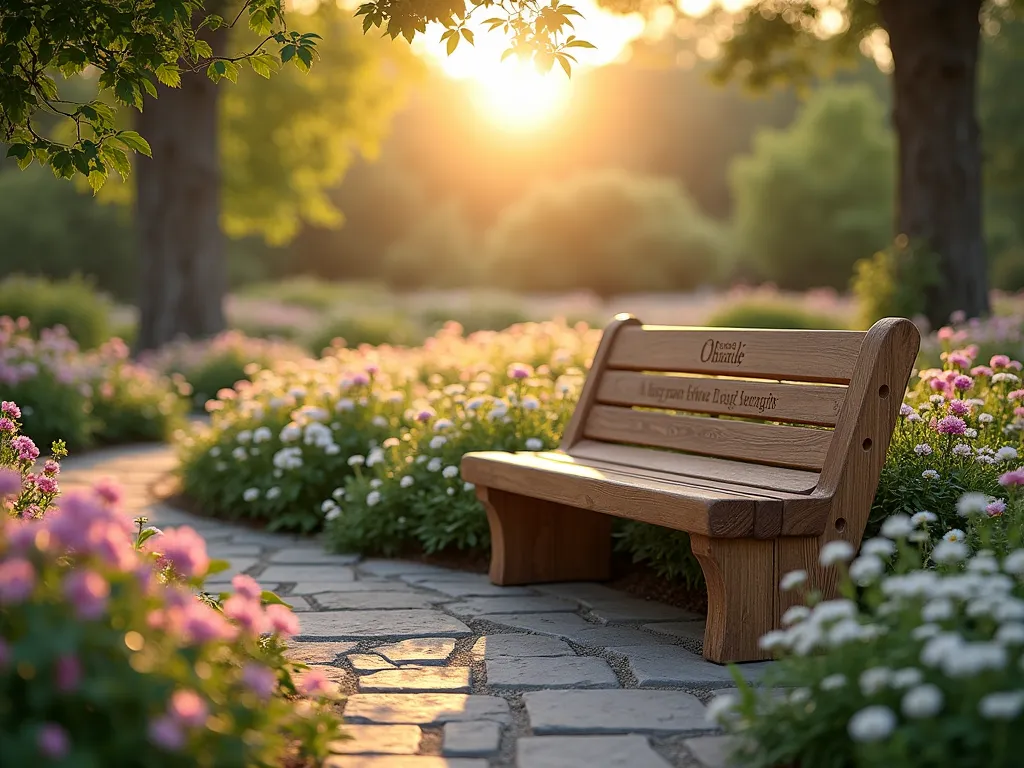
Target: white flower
[923, 518]
[799, 696]
[970, 433]
[262, 435]
[250, 494]
[962, 449]
[971, 504]
[906, 678]
[406, 481]
[837, 551]
[379, 421]
[290, 433]
[1002, 706]
[795, 614]
[345, 404]
[879, 546]
[923, 449]
[970, 659]
[534, 444]
[530, 403]
[948, 552]
[772, 640]
[939, 609]
[333, 514]
[244, 436]
[832, 682]
[865, 569]
[792, 580]
[1000, 377]
[450, 472]
[985, 418]
[721, 707]
[437, 441]
[328, 505]
[930, 474]
[922, 701]
[451, 491]
[273, 493]
[1006, 453]
[338, 494]
[356, 460]
[376, 456]
[1014, 562]
[468, 486]
[376, 483]
[442, 424]
[897, 527]
[954, 534]
[332, 449]
[373, 498]
[1010, 634]
[873, 680]
[434, 465]
[925, 632]
[215, 451]
[872, 724]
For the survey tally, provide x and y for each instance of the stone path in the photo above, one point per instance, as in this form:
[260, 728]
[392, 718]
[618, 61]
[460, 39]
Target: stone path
[445, 670]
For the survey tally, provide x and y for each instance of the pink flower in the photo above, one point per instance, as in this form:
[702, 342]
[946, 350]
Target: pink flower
[959, 407]
[52, 740]
[1013, 477]
[46, 484]
[165, 733]
[11, 409]
[314, 683]
[259, 679]
[373, 369]
[425, 415]
[10, 482]
[360, 379]
[247, 587]
[958, 359]
[963, 383]
[26, 449]
[981, 370]
[108, 490]
[186, 551]
[951, 425]
[248, 614]
[87, 591]
[945, 333]
[938, 385]
[1000, 361]
[282, 621]
[188, 708]
[17, 580]
[6, 425]
[51, 468]
[519, 371]
[1017, 394]
[996, 508]
[67, 673]
[202, 624]
[906, 410]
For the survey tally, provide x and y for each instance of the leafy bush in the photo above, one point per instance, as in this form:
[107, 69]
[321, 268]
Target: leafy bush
[607, 231]
[212, 365]
[771, 314]
[438, 252]
[805, 212]
[918, 664]
[665, 551]
[394, 328]
[96, 397]
[73, 303]
[317, 294]
[102, 626]
[478, 316]
[894, 282]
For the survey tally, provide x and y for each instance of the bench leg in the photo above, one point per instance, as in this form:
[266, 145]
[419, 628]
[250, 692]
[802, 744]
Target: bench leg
[743, 596]
[535, 541]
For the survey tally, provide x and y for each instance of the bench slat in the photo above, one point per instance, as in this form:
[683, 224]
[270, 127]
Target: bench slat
[797, 447]
[672, 505]
[798, 403]
[816, 356]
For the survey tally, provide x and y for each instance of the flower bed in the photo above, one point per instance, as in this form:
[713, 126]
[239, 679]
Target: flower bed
[108, 656]
[85, 398]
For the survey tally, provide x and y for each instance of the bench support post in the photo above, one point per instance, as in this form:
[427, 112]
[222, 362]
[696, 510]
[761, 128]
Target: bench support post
[534, 541]
[743, 596]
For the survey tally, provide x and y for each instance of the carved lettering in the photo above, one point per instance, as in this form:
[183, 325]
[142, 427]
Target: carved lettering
[730, 352]
[678, 392]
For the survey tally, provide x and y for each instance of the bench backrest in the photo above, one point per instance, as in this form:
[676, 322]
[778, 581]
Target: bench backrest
[786, 402]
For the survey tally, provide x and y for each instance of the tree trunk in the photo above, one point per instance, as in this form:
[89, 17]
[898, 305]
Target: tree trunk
[182, 254]
[934, 45]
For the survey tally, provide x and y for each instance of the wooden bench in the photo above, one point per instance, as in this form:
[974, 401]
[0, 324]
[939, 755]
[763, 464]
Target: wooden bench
[761, 444]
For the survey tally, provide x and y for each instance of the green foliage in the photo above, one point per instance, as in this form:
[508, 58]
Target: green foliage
[316, 294]
[665, 551]
[73, 303]
[479, 315]
[607, 231]
[381, 327]
[807, 210]
[438, 252]
[894, 282]
[760, 313]
[133, 47]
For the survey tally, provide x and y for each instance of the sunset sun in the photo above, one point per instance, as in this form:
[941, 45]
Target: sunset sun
[517, 97]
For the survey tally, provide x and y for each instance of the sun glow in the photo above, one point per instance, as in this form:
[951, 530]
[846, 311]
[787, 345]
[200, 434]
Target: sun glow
[512, 93]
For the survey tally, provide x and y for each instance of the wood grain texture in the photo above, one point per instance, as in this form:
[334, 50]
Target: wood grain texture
[775, 445]
[683, 508]
[818, 356]
[535, 541]
[768, 401]
[743, 596]
[574, 429]
[687, 465]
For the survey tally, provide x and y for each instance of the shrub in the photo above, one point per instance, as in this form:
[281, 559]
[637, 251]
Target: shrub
[772, 314]
[606, 231]
[806, 212]
[478, 316]
[317, 294]
[894, 282]
[72, 303]
[438, 252]
[392, 328]
[212, 365]
[665, 551]
[86, 398]
[102, 628]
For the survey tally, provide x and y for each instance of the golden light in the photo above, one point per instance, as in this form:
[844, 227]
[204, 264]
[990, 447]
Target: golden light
[512, 94]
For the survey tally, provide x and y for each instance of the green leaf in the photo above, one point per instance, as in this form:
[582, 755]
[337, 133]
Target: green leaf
[287, 53]
[97, 180]
[579, 44]
[468, 34]
[202, 49]
[304, 55]
[217, 566]
[258, 22]
[150, 88]
[133, 140]
[169, 75]
[453, 42]
[565, 64]
[269, 598]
